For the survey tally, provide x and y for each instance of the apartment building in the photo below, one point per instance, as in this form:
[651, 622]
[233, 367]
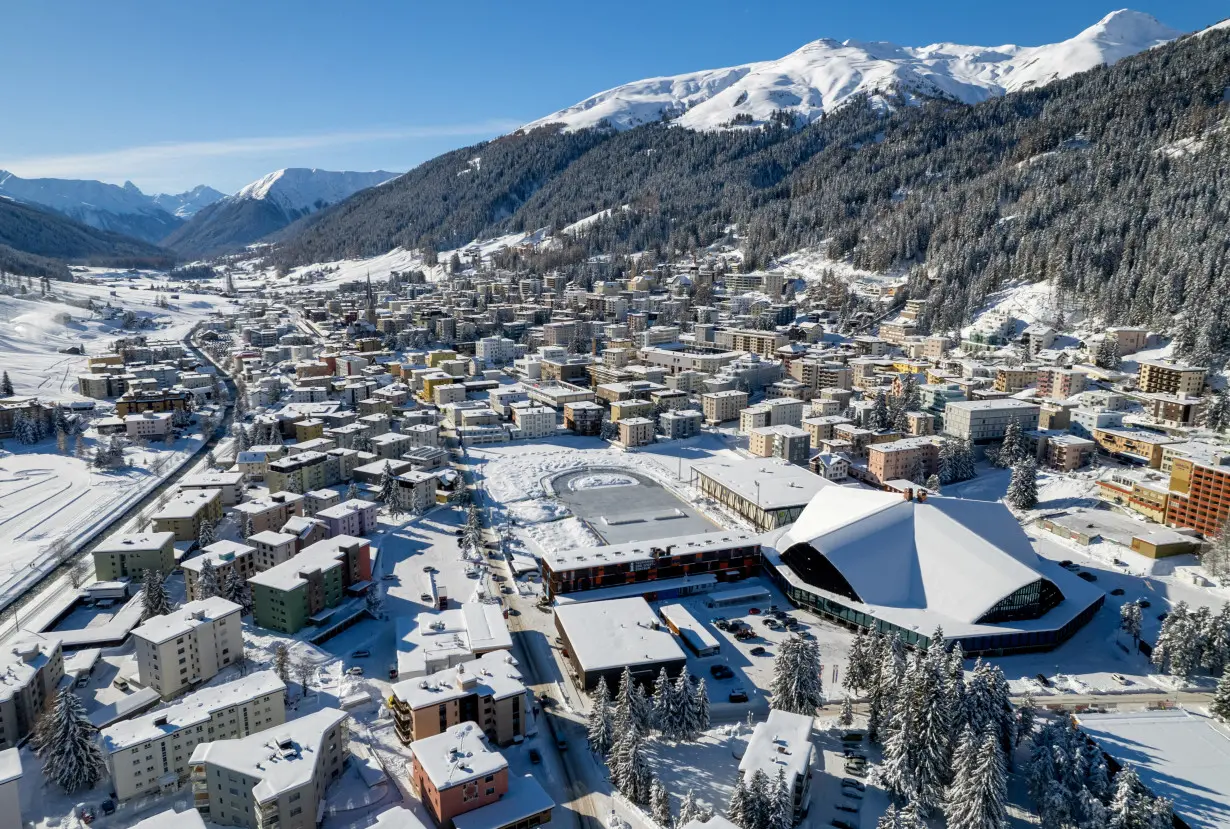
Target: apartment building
[272, 779]
[449, 788]
[583, 417]
[298, 473]
[815, 373]
[679, 361]
[1137, 446]
[273, 548]
[1175, 410]
[184, 514]
[983, 421]
[188, 646]
[31, 669]
[1171, 378]
[789, 443]
[229, 484]
[906, 459]
[636, 431]
[288, 596]
[148, 425]
[1199, 496]
[680, 423]
[487, 691]
[781, 745]
[130, 555]
[760, 343]
[533, 421]
[226, 557]
[820, 429]
[1060, 383]
[150, 754]
[354, 517]
[270, 513]
[1012, 380]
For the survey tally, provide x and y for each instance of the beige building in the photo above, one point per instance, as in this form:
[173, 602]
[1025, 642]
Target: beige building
[636, 431]
[984, 421]
[273, 548]
[183, 515]
[762, 343]
[721, 406]
[188, 646]
[1171, 379]
[904, 459]
[31, 668]
[270, 513]
[149, 754]
[273, 779]
[230, 484]
[130, 555]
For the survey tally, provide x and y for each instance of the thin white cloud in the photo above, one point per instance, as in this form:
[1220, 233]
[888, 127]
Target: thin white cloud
[153, 160]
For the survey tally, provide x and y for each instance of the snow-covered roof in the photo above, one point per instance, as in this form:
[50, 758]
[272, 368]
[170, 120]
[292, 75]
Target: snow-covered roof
[194, 709]
[616, 633]
[190, 615]
[781, 742]
[525, 798]
[643, 550]
[132, 542]
[781, 484]
[948, 555]
[171, 819]
[456, 756]
[494, 675]
[282, 758]
[10, 765]
[399, 817]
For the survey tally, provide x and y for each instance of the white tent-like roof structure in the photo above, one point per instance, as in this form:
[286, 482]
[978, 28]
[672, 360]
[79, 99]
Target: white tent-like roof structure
[951, 557]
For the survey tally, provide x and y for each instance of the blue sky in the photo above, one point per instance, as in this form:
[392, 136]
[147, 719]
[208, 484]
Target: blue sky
[170, 95]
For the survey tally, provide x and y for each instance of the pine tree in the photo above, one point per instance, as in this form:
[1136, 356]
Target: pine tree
[235, 589]
[207, 584]
[796, 684]
[71, 757]
[688, 810]
[387, 492]
[1130, 620]
[1013, 448]
[663, 700]
[629, 770]
[1023, 488]
[904, 818]
[155, 601]
[847, 712]
[660, 805]
[859, 663]
[681, 715]
[6, 385]
[1128, 807]
[740, 811]
[977, 798]
[304, 671]
[1220, 706]
[352, 492]
[601, 721]
[781, 803]
[206, 535]
[700, 708]
[624, 716]
[933, 482]
[281, 662]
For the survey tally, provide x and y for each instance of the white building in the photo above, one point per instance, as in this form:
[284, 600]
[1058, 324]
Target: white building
[984, 421]
[10, 797]
[435, 640]
[188, 645]
[533, 421]
[782, 743]
[148, 425]
[149, 754]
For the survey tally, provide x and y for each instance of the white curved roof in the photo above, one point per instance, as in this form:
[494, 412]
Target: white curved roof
[954, 557]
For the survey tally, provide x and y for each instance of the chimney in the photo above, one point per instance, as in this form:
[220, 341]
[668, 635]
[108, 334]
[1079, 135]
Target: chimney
[922, 495]
[908, 493]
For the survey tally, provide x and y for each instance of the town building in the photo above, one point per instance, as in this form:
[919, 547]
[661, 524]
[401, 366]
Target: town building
[766, 493]
[184, 514]
[229, 484]
[295, 593]
[189, 645]
[10, 789]
[1136, 446]
[272, 779]
[487, 691]
[1170, 378]
[721, 406]
[129, 555]
[269, 513]
[983, 421]
[602, 638]
[1199, 496]
[439, 639]
[583, 418]
[910, 459]
[636, 431]
[680, 423]
[149, 754]
[31, 670]
[781, 746]
[226, 557]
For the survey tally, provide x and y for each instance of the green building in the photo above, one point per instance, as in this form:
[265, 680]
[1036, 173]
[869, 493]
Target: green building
[301, 591]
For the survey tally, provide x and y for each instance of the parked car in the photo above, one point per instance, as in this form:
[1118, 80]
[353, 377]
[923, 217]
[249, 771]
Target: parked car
[429, 569]
[758, 651]
[721, 672]
[846, 807]
[1143, 602]
[842, 824]
[561, 744]
[852, 737]
[770, 622]
[737, 695]
[85, 812]
[362, 653]
[355, 671]
[753, 611]
[1161, 617]
[388, 577]
[535, 756]
[1118, 591]
[1086, 575]
[108, 807]
[853, 784]
[1046, 683]
[744, 635]
[1067, 562]
[1121, 679]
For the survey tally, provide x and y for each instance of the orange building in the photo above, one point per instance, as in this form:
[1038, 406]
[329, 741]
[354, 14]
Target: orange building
[1199, 496]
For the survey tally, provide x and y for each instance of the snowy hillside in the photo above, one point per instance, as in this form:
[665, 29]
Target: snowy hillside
[824, 74]
[300, 191]
[187, 204]
[104, 206]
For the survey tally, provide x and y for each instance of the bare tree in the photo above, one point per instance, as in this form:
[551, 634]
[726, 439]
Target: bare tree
[304, 671]
[79, 572]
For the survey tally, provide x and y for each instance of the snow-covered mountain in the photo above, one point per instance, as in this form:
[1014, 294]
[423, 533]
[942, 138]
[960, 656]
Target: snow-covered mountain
[104, 206]
[187, 204]
[267, 205]
[824, 74]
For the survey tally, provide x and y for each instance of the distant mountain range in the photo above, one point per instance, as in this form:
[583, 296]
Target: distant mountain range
[266, 206]
[824, 74]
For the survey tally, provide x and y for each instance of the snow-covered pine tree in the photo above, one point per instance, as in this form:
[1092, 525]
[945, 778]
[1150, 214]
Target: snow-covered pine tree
[1023, 488]
[660, 805]
[781, 803]
[71, 757]
[966, 469]
[206, 535]
[623, 717]
[663, 699]
[859, 662]
[978, 796]
[281, 662]
[681, 716]
[740, 810]
[1129, 806]
[6, 386]
[1220, 705]
[629, 770]
[155, 601]
[601, 727]
[688, 809]
[933, 482]
[373, 601]
[1026, 715]
[642, 709]
[899, 770]
[847, 712]
[207, 583]
[797, 686]
[759, 801]
[903, 818]
[934, 713]
[236, 590]
[1131, 621]
[387, 486]
[1012, 449]
[700, 708]
[877, 417]
[352, 491]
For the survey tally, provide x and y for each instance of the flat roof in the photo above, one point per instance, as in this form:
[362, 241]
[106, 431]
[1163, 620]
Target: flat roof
[456, 756]
[132, 542]
[188, 616]
[10, 764]
[584, 557]
[615, 633]
[781, 743]
[171, 819]
[781, 484]
[1178, 754]
[525, 798]
[494, 675]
